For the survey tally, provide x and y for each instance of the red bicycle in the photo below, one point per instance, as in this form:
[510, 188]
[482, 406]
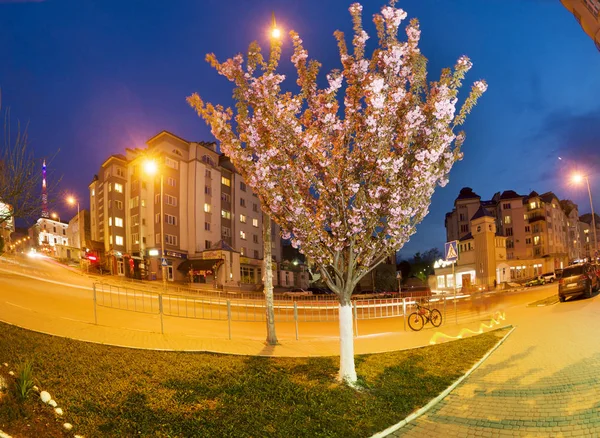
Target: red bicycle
[422, 316]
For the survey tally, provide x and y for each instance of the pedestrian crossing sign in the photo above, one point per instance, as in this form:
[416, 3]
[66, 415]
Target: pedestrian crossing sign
[451, 251]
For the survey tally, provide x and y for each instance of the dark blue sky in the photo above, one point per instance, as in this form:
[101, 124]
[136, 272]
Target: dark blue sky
[95, 77]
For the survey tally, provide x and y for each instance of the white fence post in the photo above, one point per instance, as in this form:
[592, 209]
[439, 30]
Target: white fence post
[229, 317]
[404, 311]
[95, 312]
[296, 318]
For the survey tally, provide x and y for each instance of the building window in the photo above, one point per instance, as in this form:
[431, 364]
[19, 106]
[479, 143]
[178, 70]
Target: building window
[242, 218]
[507, 219]
[528, 240]
[93, 192]
[157, 239]
[242, 186]
[225, 214]
[110, 239]
[225, 197]
[207, 173]
[118, 188]
[510, 243]
[255, 223]
[506, 206]
[256, 254]
[121, 173]
[143, 202]
[462, 217]
[464, 228]
[225, 232]
[172, 181]
[173, 164]
[119, 240]
[536, 240]
[509, 231]
[109, 222]
[206, 226]
[225, 181]
[119, 222]
[109, 187]
[119, 205]
[170, 219]
[207, 244]
[528, 229]
[242, 235]
[255, 238]
[207, 190]
[206, 208]
[171, 239]
[171, 200]
[135, 238]
[255, 207]
[135, 220]
[134, 202]
[242, 202]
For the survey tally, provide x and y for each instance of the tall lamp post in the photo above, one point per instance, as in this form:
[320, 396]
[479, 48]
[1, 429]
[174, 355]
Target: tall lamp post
[274, 36]
[578, 179]
[72, 201]
[151, 168]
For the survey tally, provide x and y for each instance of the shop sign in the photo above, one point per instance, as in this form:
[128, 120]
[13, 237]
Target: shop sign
[177, 255]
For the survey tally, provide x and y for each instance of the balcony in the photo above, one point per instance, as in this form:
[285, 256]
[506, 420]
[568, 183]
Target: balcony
[536, 217]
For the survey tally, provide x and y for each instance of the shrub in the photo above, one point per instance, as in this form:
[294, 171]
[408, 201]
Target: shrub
[24, 383]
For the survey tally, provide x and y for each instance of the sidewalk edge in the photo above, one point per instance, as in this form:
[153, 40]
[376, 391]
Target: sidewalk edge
[444, 393]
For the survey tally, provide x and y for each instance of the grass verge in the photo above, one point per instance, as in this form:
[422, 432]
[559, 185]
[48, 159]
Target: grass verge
[111, 391]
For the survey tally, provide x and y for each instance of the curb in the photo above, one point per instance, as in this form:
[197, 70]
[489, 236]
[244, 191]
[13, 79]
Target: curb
[443, 394]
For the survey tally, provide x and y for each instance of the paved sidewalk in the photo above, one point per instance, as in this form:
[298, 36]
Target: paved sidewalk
[543, 381]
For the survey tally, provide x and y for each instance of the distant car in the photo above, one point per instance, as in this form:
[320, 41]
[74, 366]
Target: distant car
[549, 277]
[320, 291]
[538, 281]
[415, 287]
[297, 292]
[577, 280]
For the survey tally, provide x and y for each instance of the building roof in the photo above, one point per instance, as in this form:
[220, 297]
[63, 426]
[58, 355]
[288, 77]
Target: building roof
[466, 237]
[467, 193]
[548, 197]
[481, 213]
[510, 194]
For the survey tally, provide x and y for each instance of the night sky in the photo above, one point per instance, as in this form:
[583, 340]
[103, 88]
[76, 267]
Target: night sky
[95, 77]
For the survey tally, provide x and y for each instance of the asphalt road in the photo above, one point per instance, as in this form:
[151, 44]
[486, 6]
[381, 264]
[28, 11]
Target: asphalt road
[45, 289]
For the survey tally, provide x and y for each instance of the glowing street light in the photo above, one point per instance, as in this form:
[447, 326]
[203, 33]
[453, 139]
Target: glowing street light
[275, 31]
[578, 178]
[151, 168]
[72, 201]
[55, 216]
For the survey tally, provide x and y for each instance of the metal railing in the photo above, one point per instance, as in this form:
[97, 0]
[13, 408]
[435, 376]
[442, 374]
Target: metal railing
[211, 306]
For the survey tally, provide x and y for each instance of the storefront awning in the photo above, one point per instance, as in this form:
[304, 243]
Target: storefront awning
[198, 265]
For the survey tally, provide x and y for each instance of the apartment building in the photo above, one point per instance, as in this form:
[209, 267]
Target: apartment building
[532, 234]
[49, 234]
[7, 225]
[210, 229]
[587, 14]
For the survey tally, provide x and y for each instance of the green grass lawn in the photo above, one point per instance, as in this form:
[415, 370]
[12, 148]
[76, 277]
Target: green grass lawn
[111, 391]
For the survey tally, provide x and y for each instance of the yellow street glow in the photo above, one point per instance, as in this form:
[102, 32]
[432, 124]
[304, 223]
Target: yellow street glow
[577, 178]
[71, 200]
[150, 167]
[276, 33]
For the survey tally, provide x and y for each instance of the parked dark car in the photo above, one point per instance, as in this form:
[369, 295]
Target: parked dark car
[577, 280]
[414, 288]
[320, 291]
[538, 281]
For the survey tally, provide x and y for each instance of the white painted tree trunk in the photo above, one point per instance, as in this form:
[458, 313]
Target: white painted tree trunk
[347, 370]
[268, 275]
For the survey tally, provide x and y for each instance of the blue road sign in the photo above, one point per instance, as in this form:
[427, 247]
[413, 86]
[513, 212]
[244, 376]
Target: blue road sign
[163, 262]
[451, 251]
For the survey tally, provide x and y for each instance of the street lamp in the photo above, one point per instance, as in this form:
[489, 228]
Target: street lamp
[151, 168]
[55, 216]
[72, 201]
[578, 179]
